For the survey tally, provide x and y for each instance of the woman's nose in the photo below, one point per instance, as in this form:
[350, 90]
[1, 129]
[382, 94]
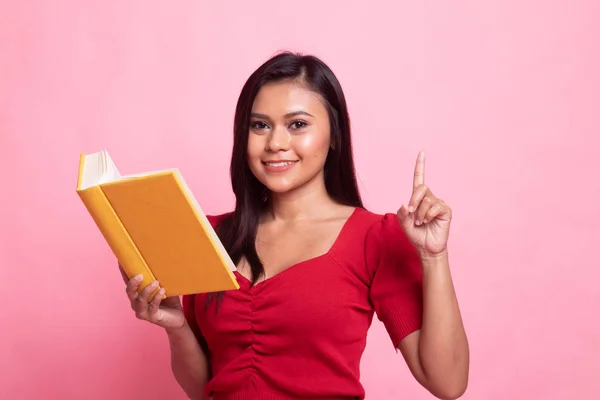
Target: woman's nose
[279, 139]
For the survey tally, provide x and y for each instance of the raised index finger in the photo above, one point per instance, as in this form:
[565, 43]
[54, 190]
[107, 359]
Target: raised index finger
[419, 178]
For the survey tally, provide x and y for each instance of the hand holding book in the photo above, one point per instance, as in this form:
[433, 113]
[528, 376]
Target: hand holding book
[155, 228]
[164, 312]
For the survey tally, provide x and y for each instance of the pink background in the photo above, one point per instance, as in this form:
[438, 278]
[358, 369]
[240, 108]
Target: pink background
[502, 95]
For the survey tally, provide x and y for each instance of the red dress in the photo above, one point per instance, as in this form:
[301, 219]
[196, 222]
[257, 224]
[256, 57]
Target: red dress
[301, 333]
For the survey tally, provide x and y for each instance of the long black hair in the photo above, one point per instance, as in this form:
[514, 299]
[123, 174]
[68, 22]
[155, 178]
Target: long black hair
[238, 230]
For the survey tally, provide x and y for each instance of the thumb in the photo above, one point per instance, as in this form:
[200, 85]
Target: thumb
[406, 218]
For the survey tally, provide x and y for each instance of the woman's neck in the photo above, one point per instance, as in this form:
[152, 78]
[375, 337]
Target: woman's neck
[304, 202]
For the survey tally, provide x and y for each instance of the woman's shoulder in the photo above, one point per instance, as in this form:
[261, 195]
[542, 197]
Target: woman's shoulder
[372, 222]
[215, 219]
[380, 230]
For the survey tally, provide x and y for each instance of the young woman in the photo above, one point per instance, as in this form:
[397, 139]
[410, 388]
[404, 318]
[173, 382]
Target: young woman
[314, 265]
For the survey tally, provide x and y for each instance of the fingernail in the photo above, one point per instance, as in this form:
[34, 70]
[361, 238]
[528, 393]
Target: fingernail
[161, 292]
[138, 277]
[425, 221]
[154, 284]
[417, 222]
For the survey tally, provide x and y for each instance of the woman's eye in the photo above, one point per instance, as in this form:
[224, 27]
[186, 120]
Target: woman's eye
[298, 124]
[258, 125]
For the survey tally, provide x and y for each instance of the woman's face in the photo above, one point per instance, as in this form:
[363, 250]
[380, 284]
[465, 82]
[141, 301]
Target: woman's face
[289, 136]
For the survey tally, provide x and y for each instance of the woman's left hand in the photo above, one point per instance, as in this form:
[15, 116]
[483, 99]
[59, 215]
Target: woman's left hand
[426, 219]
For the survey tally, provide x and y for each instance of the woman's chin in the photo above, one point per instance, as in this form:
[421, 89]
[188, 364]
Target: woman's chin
[280, 188]
[286, 184]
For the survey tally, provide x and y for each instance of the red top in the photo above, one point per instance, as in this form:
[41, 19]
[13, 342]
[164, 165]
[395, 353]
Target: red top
[301, 333]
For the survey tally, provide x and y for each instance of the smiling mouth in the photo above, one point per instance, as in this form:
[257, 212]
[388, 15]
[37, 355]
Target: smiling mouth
[276, 164]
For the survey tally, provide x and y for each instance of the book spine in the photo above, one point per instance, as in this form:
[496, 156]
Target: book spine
[115, 235]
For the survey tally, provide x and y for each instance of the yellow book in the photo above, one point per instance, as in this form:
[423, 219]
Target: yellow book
[155, 227]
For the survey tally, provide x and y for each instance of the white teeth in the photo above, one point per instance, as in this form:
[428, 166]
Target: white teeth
[280, 164]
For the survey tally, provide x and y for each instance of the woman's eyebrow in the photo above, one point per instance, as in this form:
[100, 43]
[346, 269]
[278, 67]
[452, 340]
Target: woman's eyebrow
[288, 115]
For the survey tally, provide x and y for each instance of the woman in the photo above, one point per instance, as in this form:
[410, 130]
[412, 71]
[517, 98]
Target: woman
[313, 265]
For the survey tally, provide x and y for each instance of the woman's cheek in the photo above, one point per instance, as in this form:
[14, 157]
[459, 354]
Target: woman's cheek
[311, 145]
[254, 150]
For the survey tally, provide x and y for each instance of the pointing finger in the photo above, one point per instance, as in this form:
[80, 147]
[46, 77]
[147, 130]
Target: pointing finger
[419, 178]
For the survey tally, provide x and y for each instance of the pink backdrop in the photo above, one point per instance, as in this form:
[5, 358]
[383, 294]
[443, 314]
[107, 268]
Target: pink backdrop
[503, 97]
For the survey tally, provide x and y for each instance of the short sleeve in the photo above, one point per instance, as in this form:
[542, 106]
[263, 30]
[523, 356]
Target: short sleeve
[189, 311]
[396, 278]
[217, 219]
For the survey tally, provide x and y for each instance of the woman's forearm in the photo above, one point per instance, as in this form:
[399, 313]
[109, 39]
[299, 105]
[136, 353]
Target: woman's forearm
[188, 362]
[443, 345]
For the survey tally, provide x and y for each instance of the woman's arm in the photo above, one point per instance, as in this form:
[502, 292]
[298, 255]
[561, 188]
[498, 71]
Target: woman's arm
[438, 354]
[188, 362]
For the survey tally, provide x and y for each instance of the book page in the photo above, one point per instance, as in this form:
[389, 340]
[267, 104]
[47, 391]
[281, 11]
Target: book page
[98, 168]
[110, 172]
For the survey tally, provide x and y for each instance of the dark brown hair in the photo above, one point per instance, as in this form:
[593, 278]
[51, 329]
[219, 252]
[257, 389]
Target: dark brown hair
[238, 230]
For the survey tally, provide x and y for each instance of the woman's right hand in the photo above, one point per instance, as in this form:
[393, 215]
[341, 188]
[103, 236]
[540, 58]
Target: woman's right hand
[166, 313]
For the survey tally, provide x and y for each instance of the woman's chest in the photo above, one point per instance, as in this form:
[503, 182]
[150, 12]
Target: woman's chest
[280, 249]
[311, 301]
